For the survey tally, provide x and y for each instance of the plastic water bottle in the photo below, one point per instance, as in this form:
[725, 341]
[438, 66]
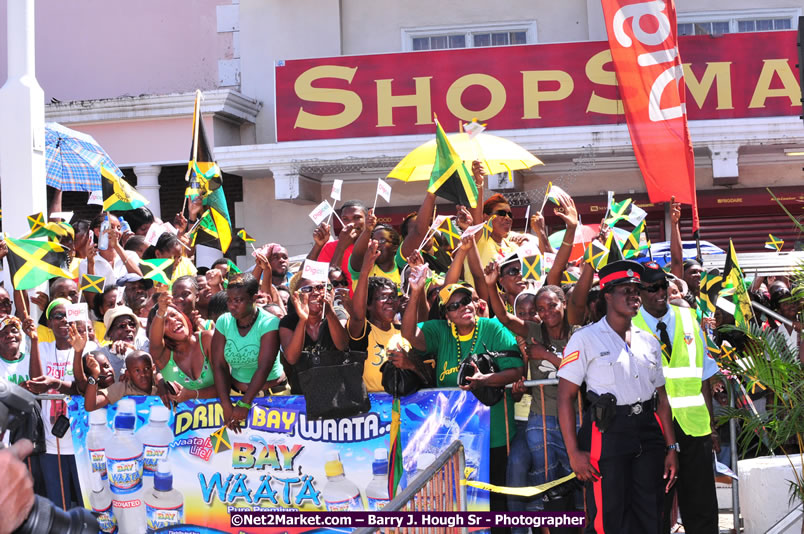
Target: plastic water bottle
[101, 502]
[156, 438]
[124, 226]
[164, 506]
[124, 467]
[103, 236]
[340, 494]
[377, 490]
[424, 460]
[97, 437]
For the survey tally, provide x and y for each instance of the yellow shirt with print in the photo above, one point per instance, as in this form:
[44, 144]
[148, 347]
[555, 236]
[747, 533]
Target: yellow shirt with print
[489, 250]
[373, 341]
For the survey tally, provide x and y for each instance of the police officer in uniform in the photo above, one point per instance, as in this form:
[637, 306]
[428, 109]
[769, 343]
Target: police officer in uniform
[626, 451]
[687, 369]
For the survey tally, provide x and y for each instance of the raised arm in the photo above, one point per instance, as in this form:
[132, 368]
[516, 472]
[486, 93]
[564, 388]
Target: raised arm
[511, 322]
[320, 238]
[220, 370]
[293, 340]
[479, 173]
[410, 330]
[35, 363]
[79, 343]
[576, 307]
[417, 232]
[157, 334]
[266, 282]
[539, 229]
[128, 258]
[357, 320]
[345, 238]
[676, 247]
[356, 261]
[569, 215]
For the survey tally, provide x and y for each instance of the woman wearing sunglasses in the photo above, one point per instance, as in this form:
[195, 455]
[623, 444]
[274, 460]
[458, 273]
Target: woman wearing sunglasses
[371, 325]
[388, 241]
[455, 337]
[311, 325]
[244, 351]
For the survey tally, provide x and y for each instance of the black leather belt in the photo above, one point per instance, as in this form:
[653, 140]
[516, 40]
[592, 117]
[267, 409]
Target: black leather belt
[638, 408]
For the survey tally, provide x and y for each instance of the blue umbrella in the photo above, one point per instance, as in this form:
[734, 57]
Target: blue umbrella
[73, 159]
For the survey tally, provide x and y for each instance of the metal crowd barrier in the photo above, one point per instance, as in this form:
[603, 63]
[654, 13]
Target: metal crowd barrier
[437, 489]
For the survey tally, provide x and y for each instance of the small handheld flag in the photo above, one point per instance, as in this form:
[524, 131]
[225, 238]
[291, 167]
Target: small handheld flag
[597, 253]
[242, 234]
[473, 128]
[92, 284]
[450, 231]
[532, 268]
[156, 270]
[32, 262]
[774, 243]
[220, 440]
[625, 210]
[383, 190]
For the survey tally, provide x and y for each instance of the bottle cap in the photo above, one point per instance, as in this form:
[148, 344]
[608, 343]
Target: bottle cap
[333, 467]
[98, 417]
[163, 478]
[381, 454]
[159, 412]
[126, 417]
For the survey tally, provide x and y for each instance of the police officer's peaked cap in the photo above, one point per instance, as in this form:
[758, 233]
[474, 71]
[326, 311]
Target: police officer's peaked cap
[653, 273]
[620, 272]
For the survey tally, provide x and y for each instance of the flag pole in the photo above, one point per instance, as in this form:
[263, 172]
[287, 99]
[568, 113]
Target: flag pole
[527, 219]
[374, 207]
[546, 194]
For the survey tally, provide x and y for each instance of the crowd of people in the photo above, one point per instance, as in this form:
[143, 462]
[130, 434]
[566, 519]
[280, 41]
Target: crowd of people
[628, 345]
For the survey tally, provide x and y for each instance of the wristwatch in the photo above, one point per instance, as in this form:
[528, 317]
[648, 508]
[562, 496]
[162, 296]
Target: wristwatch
[674, 447]
[91, 380]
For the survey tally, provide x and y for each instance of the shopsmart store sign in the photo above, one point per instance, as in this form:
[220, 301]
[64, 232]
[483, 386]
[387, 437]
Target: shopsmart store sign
[533, 86]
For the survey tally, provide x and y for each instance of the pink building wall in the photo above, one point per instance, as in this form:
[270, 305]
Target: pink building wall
[94, 49]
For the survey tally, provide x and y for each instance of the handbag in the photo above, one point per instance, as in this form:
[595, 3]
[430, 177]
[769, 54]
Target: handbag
[332, 384]
[486, 364]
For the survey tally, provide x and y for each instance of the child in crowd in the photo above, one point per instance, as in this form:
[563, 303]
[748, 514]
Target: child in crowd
[16, 364]
[140, 380]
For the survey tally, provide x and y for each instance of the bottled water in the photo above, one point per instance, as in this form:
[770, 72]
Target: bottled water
[97, 437]
[101, 502]
[164, 506]
[340, 494]
[124, 468]
[124, 226]
[103, 237]
[377, 490]
[156, 438]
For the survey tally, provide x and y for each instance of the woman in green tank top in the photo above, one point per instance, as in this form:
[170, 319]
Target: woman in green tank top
[181, 354]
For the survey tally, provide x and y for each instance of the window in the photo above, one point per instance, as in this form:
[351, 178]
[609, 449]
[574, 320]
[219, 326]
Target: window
[479, 35]
[750, 20]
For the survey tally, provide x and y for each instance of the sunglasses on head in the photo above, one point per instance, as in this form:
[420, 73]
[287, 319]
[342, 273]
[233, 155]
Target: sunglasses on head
[503, 213]
[455, 306]
[317, 287]
[655, 287]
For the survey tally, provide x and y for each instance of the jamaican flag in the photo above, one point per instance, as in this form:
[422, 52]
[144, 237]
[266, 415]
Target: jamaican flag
[635, 241]
[158, 270]
[451, 233]
[532, 268]
[625, 211]
[597, 253]
[203, 174]
[242, 234]
[774, 243]
[215, 227]
[32, 262]
[450, 179]
[710, 286]
[734, 286]
[118, 195]
[92, 284]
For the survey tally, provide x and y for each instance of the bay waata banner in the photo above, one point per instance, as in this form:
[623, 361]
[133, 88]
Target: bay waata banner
[279, 461]
[517, 87]
[643, 38]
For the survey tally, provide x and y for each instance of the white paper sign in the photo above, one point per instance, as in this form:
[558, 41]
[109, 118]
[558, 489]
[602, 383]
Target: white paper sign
[472, 230]
[153, 234]
[316, 271]
[321, 212]
[384, 189]
[66, 215]
[167, 227]
[439, 220]
[96, 197]
[77, 312]
[336, 189]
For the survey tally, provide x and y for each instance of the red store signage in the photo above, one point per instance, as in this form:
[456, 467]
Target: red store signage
[518, 87]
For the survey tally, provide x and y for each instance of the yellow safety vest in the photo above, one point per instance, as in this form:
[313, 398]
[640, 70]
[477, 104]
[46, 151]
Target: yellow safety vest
[684, 373]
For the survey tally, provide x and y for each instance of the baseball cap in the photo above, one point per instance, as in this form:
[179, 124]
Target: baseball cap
[446, 293]
[133, 277]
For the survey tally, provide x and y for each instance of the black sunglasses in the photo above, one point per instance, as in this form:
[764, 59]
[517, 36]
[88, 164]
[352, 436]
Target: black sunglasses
[503, 213]
[656, 287]
[465, 301]
[513, 271]
[340, 283]
[318, 287]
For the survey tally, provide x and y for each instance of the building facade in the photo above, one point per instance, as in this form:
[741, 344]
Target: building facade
[283, 81]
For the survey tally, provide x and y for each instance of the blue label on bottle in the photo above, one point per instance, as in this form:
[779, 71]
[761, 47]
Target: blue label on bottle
[163, 517]
[106, 520]
[377, 504]
[97, 458]
[125, 475]
[151, 454]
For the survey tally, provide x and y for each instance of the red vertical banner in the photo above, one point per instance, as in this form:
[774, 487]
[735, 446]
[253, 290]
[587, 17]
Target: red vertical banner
[643, 38]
